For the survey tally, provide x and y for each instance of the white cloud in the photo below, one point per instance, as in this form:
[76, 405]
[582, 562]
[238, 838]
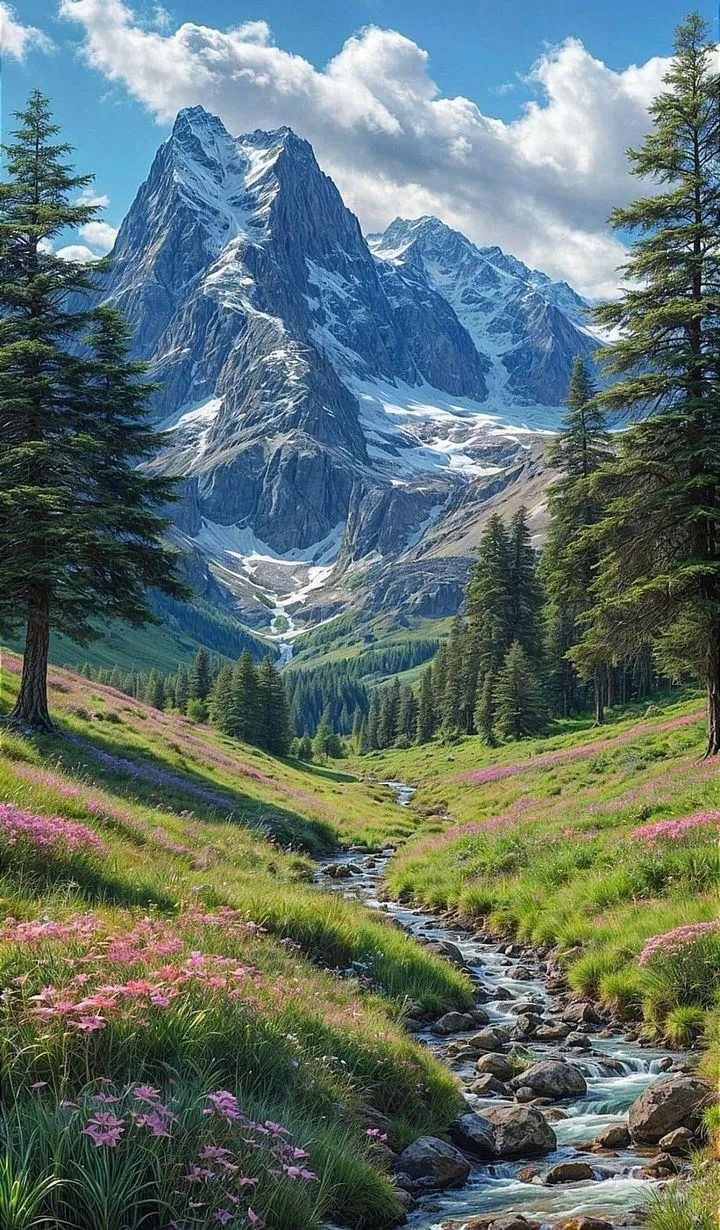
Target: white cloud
[541, 186]
[99, 234]
[16, 39]
[77, 252]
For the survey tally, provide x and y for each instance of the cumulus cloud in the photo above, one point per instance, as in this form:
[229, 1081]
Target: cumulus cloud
[77, 252]
[16, 40]
[541, 186]
[99, 234]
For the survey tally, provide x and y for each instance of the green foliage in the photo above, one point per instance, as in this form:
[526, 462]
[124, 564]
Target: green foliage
[73, 418]
[519, 709]
[660, 527]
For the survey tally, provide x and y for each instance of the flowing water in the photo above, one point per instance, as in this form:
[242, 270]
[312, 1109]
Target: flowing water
[616, 1070]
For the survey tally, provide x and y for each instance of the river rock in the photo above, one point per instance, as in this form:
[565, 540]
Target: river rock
[553, 1033]
[552, 1078]
[614, 1137]
[527, 1025]
[488, 1040]
[473, 1134]
[495, 1064]
[452, 952]
[680, 1140]
[453, 1023]
[666, 1105]
[488, 1086]
[660, 1166]
[583, 1013]
[578, 1041]
[569, 1172]
[433, 1162]
[520, 1131]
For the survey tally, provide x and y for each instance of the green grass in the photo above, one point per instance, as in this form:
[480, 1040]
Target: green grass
[536, 839]
[194, 824]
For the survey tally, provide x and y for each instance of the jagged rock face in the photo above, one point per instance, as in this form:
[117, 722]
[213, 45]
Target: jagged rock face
[530, 328]
[310, 379]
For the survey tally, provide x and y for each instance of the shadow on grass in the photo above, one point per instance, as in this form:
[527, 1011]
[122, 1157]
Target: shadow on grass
[150, 779]
[316, 770]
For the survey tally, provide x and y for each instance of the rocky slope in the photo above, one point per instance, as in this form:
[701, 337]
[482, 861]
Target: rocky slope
[335, 406]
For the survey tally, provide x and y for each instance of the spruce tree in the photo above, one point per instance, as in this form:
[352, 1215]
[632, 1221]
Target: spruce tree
[407, 716]
[659, 537]
[570, 558]
[273, 709]
[485, 709]
[79, 530]
[200, 676]
[246, 722]
[323, 737]
[524, 592]
[518, 698]
[182, 689]
[221, 701]
[426, 708]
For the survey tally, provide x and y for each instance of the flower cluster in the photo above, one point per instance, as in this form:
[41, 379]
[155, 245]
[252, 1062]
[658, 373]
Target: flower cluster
[673, 942]
[215, 1176]
[26, 833]
[651, 835]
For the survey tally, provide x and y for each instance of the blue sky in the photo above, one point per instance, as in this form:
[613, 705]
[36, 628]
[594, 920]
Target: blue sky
[506, 117]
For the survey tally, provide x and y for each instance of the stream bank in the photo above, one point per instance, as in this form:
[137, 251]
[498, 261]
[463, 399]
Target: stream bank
[556, 1150]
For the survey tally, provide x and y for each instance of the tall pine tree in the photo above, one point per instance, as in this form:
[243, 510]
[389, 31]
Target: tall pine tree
[570, 560]
[73, 428]
[659, 536]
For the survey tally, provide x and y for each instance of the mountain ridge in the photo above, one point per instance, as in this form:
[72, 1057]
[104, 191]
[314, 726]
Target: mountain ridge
[319, 388]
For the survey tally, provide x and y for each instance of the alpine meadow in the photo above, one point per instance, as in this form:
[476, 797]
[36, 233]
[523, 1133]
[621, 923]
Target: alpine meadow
[360, 617]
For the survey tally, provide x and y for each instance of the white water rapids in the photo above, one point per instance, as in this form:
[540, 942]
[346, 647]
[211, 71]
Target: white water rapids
[616, 1071]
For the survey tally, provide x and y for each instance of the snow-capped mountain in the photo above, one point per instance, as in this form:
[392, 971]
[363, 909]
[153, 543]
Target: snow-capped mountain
[327, 399]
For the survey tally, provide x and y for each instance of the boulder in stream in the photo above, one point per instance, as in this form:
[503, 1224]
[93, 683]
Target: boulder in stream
[474, 1134]
[552, 1078]
[432, 1163]
[614, 1137]
[453, 1023]
[520, 1131]
[569, 1172]
[668, 1104]
[495, 1064]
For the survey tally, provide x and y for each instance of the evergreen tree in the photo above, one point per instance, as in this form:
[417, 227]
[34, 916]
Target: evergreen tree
[221, 704]
[323, 736]
[182, 689]
[273, 709]
[305, 748]
[201, 676]
[524, 593]
[79, 531]
[659, 536]
[246, 700]
[518, 699]
[407, 715]
[488, 596]
[485, 709]
[451, 705]
[389, 714]
[570, 558]
[426, 708]
[373, 723]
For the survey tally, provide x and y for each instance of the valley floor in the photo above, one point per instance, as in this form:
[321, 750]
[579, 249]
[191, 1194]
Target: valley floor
[194, 1035]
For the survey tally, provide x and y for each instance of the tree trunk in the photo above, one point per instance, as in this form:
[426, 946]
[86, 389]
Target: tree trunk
[599, 706]
[31, 707]
[713, 694]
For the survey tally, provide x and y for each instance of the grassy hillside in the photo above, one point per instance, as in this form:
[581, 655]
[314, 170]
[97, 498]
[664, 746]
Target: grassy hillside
[596, 841]
[171, 979]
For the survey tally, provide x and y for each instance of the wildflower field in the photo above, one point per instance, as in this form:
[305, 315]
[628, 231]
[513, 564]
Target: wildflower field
[192, 1035]
[602, 843]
